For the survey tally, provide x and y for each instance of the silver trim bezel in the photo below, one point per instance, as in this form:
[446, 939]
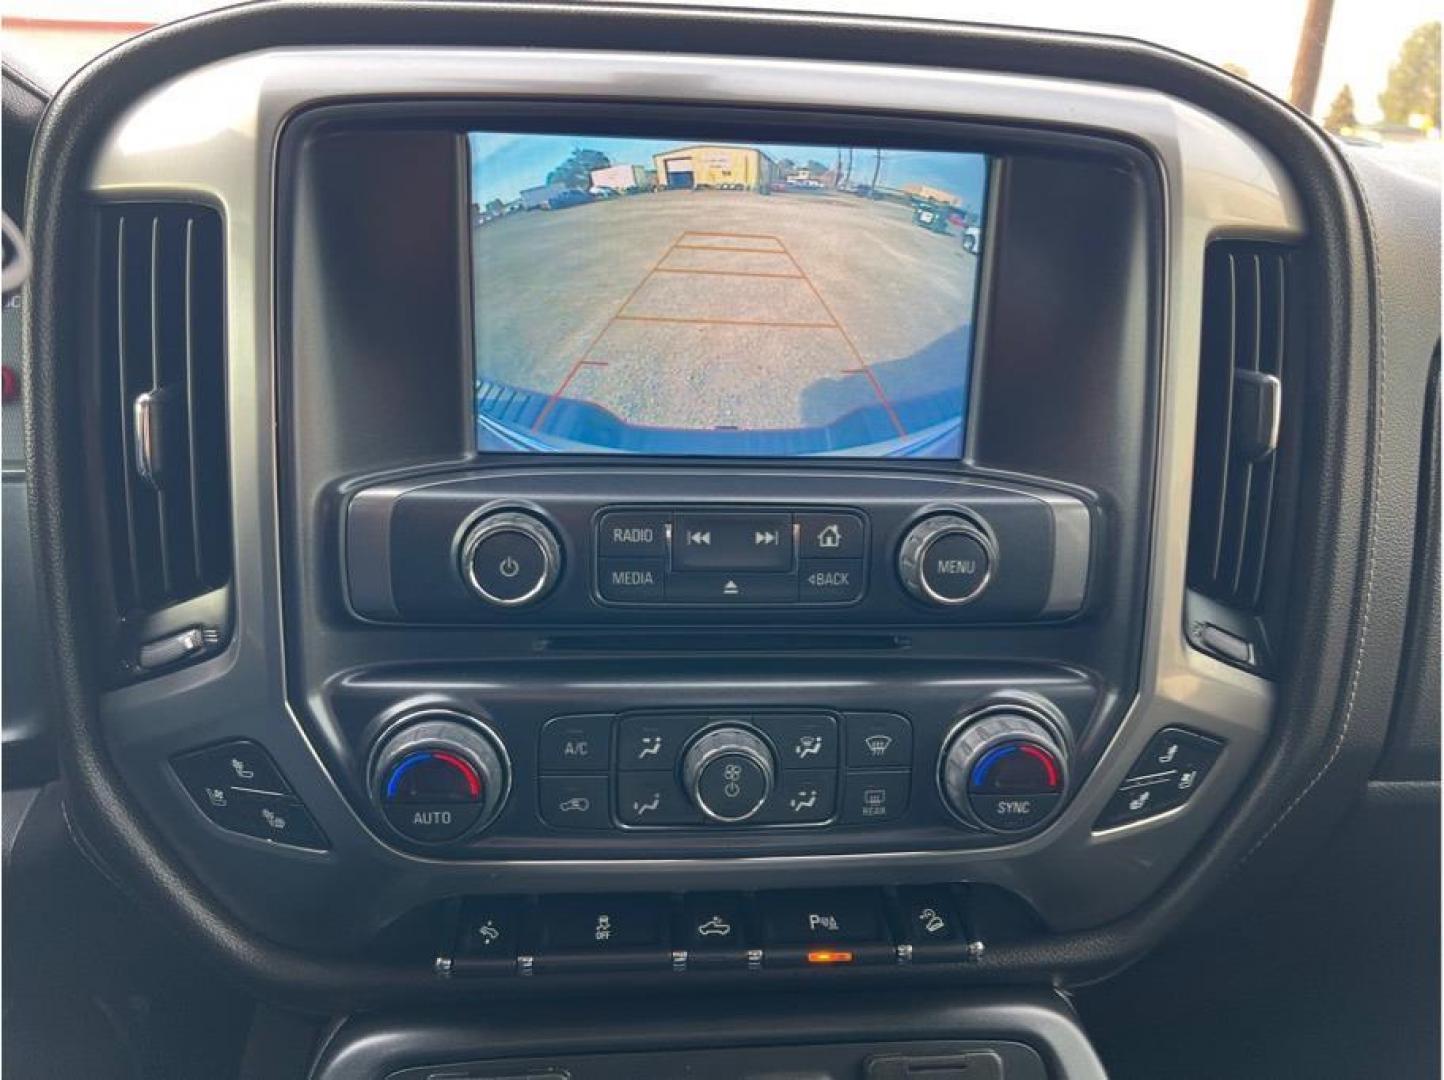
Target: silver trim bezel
[213, 135]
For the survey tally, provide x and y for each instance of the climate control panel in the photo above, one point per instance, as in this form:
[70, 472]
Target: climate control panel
[754, 770]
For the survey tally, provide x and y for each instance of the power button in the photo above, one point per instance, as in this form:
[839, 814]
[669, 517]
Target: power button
[510, 559]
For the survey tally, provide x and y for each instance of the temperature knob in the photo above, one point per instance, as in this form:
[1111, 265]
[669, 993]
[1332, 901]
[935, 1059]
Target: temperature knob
[1004, 771]
[440, 776]
[510, 558]
[728, 772]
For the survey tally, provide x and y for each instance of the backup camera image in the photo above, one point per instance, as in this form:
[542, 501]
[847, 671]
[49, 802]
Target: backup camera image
[655, 296]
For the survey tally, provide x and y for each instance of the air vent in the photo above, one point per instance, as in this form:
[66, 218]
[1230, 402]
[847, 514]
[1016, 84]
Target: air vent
[1239, 414]
[162, 353]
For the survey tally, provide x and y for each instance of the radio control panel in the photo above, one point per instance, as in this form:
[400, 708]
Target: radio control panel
[725, 557]
[655, 546]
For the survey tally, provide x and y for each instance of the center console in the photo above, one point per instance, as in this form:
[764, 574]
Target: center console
[740, 532]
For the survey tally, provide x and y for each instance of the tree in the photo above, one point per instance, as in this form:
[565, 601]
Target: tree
[576, 171]
[1413, 86]
[1341, 112]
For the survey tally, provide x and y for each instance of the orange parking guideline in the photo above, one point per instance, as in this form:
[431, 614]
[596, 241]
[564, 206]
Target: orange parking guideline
[857, 353]
[720, 247]
[733, 235]
[677, 244]
[724, 273]
[587, 352]
[723, 322]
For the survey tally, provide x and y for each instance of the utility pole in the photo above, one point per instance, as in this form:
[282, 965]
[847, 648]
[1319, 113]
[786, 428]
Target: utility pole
[1304, 87]
[876, 168]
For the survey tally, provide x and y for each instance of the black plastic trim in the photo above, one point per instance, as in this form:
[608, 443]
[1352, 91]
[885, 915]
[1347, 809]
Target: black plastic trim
[1328, 732]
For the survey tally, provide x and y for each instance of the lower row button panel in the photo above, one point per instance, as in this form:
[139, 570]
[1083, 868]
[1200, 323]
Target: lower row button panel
[711, 931]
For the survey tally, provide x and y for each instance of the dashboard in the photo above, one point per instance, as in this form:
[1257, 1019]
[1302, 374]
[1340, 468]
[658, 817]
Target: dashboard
[556, 509]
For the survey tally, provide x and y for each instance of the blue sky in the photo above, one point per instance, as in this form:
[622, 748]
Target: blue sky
[502, 164]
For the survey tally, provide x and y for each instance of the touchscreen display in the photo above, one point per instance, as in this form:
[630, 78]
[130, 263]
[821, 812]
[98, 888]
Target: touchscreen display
[665, 297]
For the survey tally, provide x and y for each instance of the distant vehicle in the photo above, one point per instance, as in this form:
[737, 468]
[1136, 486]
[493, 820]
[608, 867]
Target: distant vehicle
[598, 192]
[930, 218]
[536, 198]
[972, 238]
[569, 197]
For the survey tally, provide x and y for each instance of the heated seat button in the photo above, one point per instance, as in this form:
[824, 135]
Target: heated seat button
[632, 533]
[277, 818]
[1138, 801]
[238, 786]
[576, 744]
[1176, 749]
[631, 581]
[842, 926]
[236, 764]
[1165, 776]
[589, 933]
[824, 535]
[575, 802]
[829, 581]
[732, 542]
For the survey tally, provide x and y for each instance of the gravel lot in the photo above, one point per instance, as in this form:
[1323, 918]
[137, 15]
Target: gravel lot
[702, 309]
